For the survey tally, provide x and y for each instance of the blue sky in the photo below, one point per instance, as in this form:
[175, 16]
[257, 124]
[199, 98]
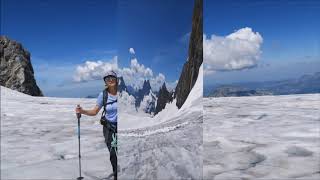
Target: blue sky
[61, 35]
[290, 32]
[158, 31]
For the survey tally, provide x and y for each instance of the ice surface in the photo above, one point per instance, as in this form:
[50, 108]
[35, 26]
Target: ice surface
[266, 137]
[167, 146]
[39, 138]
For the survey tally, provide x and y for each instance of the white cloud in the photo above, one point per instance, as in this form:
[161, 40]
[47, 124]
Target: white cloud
[157, 81]
[131, 50]
[133, 75]
[94, 70]
[137, 73]
[238, 50]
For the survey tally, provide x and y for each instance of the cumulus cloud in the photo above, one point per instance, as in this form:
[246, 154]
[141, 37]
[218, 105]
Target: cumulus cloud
[157, 81]
[236, 51]
[131, 50]
[94, 70]
[133, 75]
[137, 73]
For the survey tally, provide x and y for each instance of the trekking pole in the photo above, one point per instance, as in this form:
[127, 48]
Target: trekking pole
[79, 116]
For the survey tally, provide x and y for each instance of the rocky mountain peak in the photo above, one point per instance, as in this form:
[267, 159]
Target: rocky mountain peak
[122, 85]
[146, 87]
[190, 69]
[164, 88]
[16, 71]
[164, 96]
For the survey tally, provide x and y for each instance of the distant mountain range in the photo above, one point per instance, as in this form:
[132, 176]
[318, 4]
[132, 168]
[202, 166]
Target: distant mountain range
[154, 102]
[304, 85]
[145, 98]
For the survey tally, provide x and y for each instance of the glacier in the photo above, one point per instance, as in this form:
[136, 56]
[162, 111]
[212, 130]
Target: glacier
[166, 146]
[39, 139]
[262, 137]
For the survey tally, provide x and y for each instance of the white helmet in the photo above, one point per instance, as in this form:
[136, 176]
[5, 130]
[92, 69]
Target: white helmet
[110, 73]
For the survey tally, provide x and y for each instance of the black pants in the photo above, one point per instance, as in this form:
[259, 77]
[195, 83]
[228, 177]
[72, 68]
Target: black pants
[107, 133]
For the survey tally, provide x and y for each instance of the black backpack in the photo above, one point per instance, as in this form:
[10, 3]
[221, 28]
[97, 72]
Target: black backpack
[105, 102]
[105, 99]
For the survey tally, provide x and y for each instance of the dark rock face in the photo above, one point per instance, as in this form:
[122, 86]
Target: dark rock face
[142, 92]
[190, 69]
[131, 90]
[122, 85]
[164, 96]
[16, 71]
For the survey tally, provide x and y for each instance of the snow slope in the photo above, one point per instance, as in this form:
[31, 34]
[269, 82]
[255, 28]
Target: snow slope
[39, 138]
[267, 137]
[148, 103]
[167, 146]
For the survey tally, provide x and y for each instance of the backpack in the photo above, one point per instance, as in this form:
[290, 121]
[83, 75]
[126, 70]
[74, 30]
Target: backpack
[105, 102]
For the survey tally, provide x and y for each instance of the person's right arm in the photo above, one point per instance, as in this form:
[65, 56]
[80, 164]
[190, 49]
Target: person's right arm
[91, 112]
[95, 110]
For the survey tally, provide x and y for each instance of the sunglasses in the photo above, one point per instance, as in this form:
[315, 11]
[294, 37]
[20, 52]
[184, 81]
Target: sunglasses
[110, 78]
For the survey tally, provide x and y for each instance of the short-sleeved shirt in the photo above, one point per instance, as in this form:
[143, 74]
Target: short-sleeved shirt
[111, 109]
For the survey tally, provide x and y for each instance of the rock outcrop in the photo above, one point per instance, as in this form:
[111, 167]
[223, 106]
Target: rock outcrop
[146, 87]
[164, 96]
[148, 104]
[16, 71]
[122, 85]
[190, 69]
